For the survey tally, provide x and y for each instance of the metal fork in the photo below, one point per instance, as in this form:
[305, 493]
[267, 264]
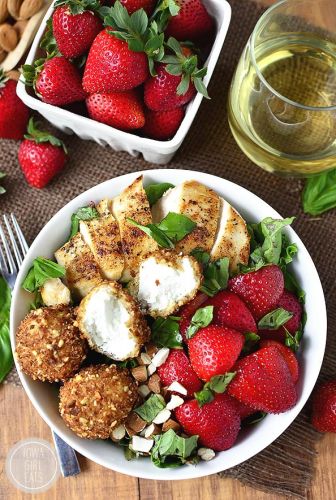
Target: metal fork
[12, 253]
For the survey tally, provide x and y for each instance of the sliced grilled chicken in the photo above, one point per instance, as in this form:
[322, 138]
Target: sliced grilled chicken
[166, 281]
[112, 322]
[199, 203]
[233, 239]
[82, 271]
[132, 203]
[104, 207]
[54, 293]
[103, 237]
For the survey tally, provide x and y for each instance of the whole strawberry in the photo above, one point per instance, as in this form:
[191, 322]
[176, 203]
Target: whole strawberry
[75, 25]
[264, 382]
[14, 114]
[260, 290]
[162, 125]
[324, 407]
[231, 311]
[290, 303]
[216, 423]
[122, 110]
[213, 350]
[177, 368]
[134, 5]
[41, 156]
[112, 67]
[288, 356]
[56, 81]
[192, 21]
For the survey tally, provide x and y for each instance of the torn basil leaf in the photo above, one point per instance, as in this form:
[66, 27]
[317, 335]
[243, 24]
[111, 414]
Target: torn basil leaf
[216, 274]
[155, 191]
[274, 319]
[84, 213]
[217, 384]
[293, 341]
[41, 271]
[151, 407]
[200, 319]
[319, 194]
[166, 332]
[171, 450]
[251, 339]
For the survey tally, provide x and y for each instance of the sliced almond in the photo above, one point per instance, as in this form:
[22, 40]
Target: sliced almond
[145, 358]
[162, 416]
[171, 424]
[175, 402]
[135, 422]
[151, 430]
[29, 8]
[118, 433]
[154, 383]
[140, 373]
[141, 444]
[131, 432]
[160, 357]
[143, 390]
[151, 369]
[8, 37]
[177, 387]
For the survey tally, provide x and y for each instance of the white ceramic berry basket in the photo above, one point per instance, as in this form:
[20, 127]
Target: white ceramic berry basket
[160, 152]
[251, 441]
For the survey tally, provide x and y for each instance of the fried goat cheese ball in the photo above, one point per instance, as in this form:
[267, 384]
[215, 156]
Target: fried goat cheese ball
[111, 320]
[97, 399]
[48, 344]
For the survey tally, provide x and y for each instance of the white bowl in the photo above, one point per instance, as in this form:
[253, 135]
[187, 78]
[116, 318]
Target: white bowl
[153, 151]
[250, 441]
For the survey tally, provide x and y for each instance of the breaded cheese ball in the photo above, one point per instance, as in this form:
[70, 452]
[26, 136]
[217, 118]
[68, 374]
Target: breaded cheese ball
[48, 344]
[97, 399]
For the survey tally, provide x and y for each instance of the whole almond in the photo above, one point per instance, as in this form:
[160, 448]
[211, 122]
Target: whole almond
[8, 37]
[3, 11]
[13, 7]
[3, 55]
[20, 26]
[29, 8]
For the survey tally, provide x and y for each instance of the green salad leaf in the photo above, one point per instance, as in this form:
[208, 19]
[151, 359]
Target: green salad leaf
[6, 356]
[200, 319]
[166, 332]
[293, 341]
[171, 450]
[41, 271]
[216, 274]
[155, 191]
[319, 194]
[217, 384]
[84, 213]
[151, 407]
[274, 319]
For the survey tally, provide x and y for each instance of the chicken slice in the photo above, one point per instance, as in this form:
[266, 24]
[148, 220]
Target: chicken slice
[199, 203]
[132, 203]
[82, 271]
[103, 237]
[54, 293]
[104, 207]
[233, 239]
[166, 281]
[112, 322]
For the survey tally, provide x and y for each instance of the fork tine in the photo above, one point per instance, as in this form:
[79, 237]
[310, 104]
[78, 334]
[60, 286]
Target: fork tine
[13, 241]
[3, 264]
[10, 260]
[19, 233]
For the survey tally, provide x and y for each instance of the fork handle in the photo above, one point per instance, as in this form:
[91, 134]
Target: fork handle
[67, 457]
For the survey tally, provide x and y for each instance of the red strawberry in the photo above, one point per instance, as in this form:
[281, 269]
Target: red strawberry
[231, 311]
[112, 67]
[263, 381]
[290, 303]
[187, 312]
[177, 368]
[75, 29]
[324, 407]
[161, 91]
[162, 125]
[133, 5]
[41, 156]
[288, 356]
[14, 113]
[56, 81]
[214, 350]
[260, 290]
[244, 410]
[191, 23]
[122, 110]
[216, 423]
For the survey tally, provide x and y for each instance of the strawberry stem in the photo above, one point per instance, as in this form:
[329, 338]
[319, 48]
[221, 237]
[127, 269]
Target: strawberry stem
[3, 78]
[39, 136]
[79, 6]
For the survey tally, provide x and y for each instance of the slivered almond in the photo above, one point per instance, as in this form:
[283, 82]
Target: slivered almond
[145, 358]
[152, 430]
[162, 416]
[135, 422]
[154, 383]
[140, 373]
[160, 357]
[170, 424]
[8, 37]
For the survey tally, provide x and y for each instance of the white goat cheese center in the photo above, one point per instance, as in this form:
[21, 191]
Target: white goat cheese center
[161, 285]
[106, 320]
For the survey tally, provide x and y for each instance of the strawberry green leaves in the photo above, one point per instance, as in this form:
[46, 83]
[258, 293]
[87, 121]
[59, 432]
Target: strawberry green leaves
[319, 194]
[84, 213]
[216, 274]
[171, 450]
[79, 6]
[39, 136]
[48, 42]
[2, 189]
[166, 332]
[6, 357]
[200, 319]
[274, 319]
[165, 9]
[217, 384]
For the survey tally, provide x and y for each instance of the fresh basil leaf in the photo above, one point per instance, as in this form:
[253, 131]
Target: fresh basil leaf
[166, 333]
[151, 407]
[6, 356]
[274, 319]
[251, 339]
[41, 271]
[288, 251]
[201, 256]
[319, 194]
[200, 319]
[128, 363]
[219, 383]
[171, 450]
[84, 213]
[216, 276]
[292, 285]
[155, 233]
[29, 282]
[155, 191]
[293, 341]
[129, 454]
[255, 418]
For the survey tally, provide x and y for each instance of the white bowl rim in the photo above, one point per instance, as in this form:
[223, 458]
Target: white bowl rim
[205, 468]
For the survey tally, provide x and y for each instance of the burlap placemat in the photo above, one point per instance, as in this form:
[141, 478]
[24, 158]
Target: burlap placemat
[285, 467]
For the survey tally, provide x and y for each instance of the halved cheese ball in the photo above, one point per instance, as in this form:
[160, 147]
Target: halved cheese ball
[112, 322]
[166, 281]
